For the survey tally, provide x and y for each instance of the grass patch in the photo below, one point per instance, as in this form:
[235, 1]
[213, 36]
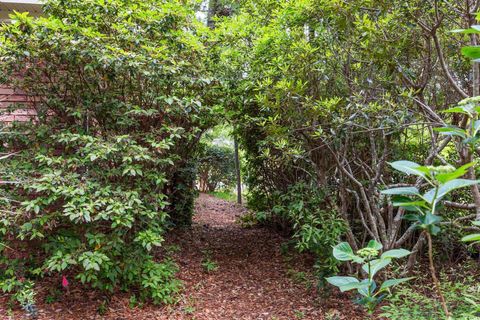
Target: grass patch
[225, 195]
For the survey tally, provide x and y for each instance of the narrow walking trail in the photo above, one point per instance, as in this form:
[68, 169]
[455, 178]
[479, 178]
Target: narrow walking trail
[253, 280]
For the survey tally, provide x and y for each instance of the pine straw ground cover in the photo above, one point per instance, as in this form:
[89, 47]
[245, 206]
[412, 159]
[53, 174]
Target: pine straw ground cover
[249, 278]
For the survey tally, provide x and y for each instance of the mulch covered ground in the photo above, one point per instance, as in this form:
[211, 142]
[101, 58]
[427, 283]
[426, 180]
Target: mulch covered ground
[254, 280]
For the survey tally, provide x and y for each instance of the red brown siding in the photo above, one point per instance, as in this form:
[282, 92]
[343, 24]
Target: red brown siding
[10, 96]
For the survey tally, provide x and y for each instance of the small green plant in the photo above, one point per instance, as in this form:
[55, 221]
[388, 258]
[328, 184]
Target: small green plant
[300, 277]
[26, 297]
[370, 293]
[209, 265]
[103, 307]
[22, 290]
[442, 180]
[412, 302]
[134, 302]
[249, 220]
[189, 309]
[299, 314]
[174, 248]
[160, 283]
[53, 296]
[332, 315]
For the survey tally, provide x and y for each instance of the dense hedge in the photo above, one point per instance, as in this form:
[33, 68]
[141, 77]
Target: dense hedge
[106, 166]
[326, 93]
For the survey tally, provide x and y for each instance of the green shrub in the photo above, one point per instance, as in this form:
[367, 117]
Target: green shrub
[416, 302]
[105, 167]
[216, 168]
[313, 226]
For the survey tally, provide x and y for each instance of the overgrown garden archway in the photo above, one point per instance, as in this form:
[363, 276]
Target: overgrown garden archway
[326, 99]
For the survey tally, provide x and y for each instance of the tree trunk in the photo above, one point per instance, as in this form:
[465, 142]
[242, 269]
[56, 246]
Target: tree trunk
[212, 12]
[237, 171]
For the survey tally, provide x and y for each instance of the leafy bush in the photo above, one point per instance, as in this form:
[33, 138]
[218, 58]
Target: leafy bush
[301, 211]
[463, 298]
[105, 167]
[216, 168]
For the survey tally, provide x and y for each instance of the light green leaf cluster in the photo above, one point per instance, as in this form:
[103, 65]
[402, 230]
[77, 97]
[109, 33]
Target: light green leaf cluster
[372, 263]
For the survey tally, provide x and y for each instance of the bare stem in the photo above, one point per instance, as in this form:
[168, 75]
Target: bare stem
[433, 272]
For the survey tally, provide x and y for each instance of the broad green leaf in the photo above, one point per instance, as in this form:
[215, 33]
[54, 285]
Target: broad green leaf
[429, 222]
[402, 191]
[339, 281]
[375, 265]
[395, 253]
[472, 30]
[476, 127]
[393, 282]
[408, 167]
[430, 219]
[434, 230]
[471, 140]
[462, 110]
[455, 184]
[471, 237]
[410, 205]
[472, 52]
[465, 31]
[445, 177]
[413, 217]
[429, 196]
[367, 284]
[447, 188]
[476, 223]
[467, 106]
[452, 131]
[374, 245]
[343, 252]
[353, 285]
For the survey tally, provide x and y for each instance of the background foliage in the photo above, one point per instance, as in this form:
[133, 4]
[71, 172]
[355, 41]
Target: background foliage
[328, 92]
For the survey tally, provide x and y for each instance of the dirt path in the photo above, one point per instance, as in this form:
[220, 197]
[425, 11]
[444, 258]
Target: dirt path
[253, 279]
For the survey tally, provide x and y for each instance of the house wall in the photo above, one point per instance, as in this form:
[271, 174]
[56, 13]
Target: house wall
[15, 99]
[7, 7]
[10, 97]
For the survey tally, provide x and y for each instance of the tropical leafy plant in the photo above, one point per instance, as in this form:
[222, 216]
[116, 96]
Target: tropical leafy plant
[441, 180]
[372, 261]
